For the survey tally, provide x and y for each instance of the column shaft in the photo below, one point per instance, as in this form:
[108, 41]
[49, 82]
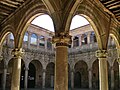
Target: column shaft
[15, 85]
[61, 68]
[26, 79]
[112, 78]
[4, 78]
[90, 79]
[16, 70]
[43, 80]
[103, 74]
[119, 74]
[80, 41]
[72, 80]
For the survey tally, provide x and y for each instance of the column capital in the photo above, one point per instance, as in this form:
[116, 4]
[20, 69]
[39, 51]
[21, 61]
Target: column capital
[43, 70]
[17, 52]
[5, 66]
[26, 68]
[89, 69]
[62, 39]
[101, 53]
[72, 71]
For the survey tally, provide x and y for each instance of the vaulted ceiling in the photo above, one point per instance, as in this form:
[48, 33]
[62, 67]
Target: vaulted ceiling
[8, 7]
[113, 6]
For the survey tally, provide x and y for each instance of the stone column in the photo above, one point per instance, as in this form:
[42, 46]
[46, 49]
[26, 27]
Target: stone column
[61, 61]
[1, 57]
[46, 44]
[26, 78]
[38, 42]
[72, 79]
[16, 70]
[29, 39]
[72, 44]
[119, 70]
[43, 78]
[4, 76]
[90, 78]
[112, 78]
[80, 40]
[88, 37]
[103, 71]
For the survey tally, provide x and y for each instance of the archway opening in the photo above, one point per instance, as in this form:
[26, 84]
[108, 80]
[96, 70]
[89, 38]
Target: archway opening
[49, 80]
[31, 76]
[38, 33]
[84, 35]
[95, 74]
[81, 75]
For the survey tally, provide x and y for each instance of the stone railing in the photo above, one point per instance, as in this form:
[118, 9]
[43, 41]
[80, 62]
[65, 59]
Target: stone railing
[84, 48]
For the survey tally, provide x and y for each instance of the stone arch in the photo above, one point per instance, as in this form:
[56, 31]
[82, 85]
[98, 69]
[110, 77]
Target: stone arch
[38, 73]
[86, 10]
[6, 30]
[116, 36]
[27, 18]
[81, 71]
[49, 80]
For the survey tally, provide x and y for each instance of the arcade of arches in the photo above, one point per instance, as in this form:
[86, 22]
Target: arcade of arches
[85, 57]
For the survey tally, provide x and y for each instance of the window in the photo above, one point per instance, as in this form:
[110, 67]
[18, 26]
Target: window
[25, 37]
[42, 41]
[34, 39]
[84, 39]
[93, 37]
[49, 44]
[76, 41]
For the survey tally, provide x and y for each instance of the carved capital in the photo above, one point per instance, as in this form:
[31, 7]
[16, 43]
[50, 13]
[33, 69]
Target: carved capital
[72, 70]
[17, 52]
[101, 53]
[26, 68]
[44, 70]
[62, 39]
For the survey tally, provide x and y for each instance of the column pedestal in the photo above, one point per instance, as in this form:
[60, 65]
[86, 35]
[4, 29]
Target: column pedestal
[16, 71]
[103, 71]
